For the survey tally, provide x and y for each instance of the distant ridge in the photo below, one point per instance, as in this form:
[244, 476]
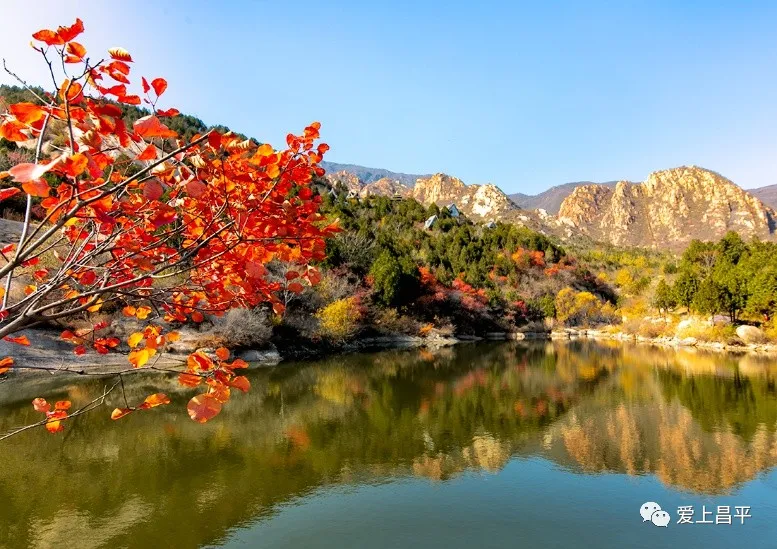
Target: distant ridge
[767, 195]
[371, 175]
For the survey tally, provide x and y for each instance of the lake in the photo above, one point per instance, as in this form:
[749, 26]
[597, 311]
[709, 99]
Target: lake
[480, 445]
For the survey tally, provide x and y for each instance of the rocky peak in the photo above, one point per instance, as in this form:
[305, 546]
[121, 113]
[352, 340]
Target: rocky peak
[385, 187]
[667, 210]
[480, 201]
[349, 180]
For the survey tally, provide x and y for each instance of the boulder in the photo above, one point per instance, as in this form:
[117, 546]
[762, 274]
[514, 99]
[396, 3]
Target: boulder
[256, 357]
[689, 342]
[750, 334]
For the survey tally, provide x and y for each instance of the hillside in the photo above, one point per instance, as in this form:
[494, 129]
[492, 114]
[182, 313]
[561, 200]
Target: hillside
[551, 199]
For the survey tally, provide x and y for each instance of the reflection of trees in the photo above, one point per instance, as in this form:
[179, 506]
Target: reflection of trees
[363, 417]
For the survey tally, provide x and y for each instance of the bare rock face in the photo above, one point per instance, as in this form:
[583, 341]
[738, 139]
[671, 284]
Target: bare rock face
[385, 187]
[668, 210]
[347, 179]
[477, 201]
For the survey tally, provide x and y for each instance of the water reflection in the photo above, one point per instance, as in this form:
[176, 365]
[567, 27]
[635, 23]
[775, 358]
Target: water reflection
[700, 422]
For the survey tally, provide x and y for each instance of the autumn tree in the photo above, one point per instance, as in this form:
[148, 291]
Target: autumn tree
[135, 217]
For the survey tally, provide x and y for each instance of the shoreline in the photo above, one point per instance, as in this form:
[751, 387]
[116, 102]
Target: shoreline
[49, 359]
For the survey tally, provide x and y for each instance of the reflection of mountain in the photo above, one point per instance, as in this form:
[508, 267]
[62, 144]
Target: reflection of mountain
[365, 418]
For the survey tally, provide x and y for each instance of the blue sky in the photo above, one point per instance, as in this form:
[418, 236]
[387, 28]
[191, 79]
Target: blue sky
[523, 95]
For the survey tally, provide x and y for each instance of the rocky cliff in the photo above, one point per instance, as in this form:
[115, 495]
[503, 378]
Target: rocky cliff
[668, 210]
[476, 201]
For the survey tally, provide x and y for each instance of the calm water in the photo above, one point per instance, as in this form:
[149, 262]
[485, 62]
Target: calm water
[483, 445]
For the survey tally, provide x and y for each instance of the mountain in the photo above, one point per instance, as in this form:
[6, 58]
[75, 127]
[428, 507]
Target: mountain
[370, 175]
[668, 210]
[479, 201]
[551, 199]
[767, 195]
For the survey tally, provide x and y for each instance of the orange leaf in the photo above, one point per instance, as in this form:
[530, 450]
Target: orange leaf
[76, 51]
[189, 380]
[21, 340]
[157, 399]
[150, 126]
[41, 405]
[142, 312]
[62, 405]
[204, 407]
[75, 165]
[173, 336]
[27, 113]
[30, 289]
[238, 363]
[221, 352]
[13, 130]
[149, 153]
[120, 53]
[241, 383]
[5, 364]
[129, 310]
[140, 357]
[119, 413]
[199, 361]
[37, 188]
[197, 316]
[159, 85]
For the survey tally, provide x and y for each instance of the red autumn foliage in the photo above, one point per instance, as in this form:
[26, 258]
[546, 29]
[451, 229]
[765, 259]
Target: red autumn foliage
[211, 209]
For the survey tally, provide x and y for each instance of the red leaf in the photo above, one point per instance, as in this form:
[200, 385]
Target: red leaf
[149, 153]
[159, 85]
[9, 192]
[150, 126]
[146, 87]
[21, 340]
[66, 34]
[49, 37]
[203, 407]
[222, 353]
[5, 364]
[169, 112]
[152, 190]
[80, 350]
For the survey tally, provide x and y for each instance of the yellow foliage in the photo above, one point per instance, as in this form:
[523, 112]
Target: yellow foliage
[340, 319]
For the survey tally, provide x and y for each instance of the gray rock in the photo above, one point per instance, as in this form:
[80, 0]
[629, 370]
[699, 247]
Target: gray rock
[260, 357]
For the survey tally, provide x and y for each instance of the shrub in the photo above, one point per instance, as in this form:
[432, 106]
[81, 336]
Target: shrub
[244, 328]
[340, 320]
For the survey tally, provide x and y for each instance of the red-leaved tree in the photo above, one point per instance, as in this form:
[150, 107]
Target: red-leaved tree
[135, 217]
